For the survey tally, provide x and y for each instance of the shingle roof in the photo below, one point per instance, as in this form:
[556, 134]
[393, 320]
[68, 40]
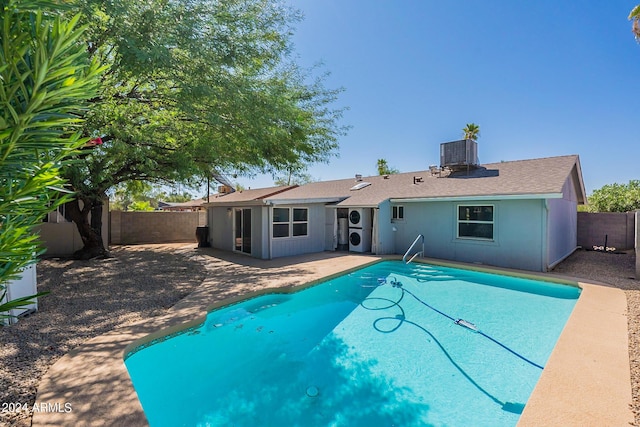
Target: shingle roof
[188, 204]
[513, 178]
[534, 177]
[243, 196]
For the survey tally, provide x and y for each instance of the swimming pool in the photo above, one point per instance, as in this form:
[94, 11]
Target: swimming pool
[377, 347]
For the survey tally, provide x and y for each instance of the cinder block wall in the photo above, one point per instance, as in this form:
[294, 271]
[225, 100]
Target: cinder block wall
[129, 228]
[618, 227]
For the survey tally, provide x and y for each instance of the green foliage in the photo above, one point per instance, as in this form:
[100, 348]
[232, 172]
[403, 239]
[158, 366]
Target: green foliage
[199, 86]
[294, 175]
[299, 178]
[141, 206]
[174, 197]
[144, 196]
[635, 17]
[616, 198]
[471, 131]
[129, 192]
[45, 80]
[384, 169]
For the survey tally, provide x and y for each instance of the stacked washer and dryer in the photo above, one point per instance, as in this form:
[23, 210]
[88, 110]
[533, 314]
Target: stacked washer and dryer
[360, 229]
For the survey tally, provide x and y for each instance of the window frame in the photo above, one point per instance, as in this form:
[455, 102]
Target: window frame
[291, 222]
[476, 221]
[295, 222]
[58, 215]
[280, 223]
[395, 213]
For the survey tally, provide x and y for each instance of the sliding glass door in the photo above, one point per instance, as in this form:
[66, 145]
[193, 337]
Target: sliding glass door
[242, 233]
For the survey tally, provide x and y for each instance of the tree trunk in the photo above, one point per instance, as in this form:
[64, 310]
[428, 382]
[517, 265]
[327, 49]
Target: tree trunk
[91, 233]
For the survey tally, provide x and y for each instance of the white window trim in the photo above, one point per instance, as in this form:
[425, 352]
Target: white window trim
[397, 207]
[464, 221]
[291, 223]
[294, 222]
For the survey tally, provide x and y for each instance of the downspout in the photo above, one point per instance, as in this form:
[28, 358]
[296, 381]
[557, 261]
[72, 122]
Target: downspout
[545, 236]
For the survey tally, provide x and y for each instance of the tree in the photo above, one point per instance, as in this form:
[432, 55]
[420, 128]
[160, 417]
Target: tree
[384, 169]
[45, 80]
[195, 86]
[616, 197]
[294, 175]
[635, 17]
[174, 196]
[127, 193]
[471, 131]
[142, 206]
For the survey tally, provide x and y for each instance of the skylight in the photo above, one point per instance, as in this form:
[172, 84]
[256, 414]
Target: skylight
[360, 185]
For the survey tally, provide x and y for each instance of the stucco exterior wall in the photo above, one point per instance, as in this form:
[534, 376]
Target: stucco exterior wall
[562, 227]
[60, 239]
[518, 233]
[63, 239]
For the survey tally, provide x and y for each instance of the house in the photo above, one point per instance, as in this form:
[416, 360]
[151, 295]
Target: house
[196, 205]
[188, 206]
[517, 214]
[240, 222]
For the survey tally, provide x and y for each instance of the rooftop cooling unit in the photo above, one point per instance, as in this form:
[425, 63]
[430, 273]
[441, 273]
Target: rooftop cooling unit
[225, 189]
[461, 154]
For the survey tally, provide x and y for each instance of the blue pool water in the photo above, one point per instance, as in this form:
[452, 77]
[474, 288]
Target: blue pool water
[377, 347]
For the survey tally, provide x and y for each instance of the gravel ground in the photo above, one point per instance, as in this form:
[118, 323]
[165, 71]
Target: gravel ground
[617, 270]
[90, 298]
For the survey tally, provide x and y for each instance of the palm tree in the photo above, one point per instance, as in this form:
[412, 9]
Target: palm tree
[471, 131]
[635, 17]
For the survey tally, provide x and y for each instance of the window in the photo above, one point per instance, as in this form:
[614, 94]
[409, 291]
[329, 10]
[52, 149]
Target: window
[475, 222]
[58, 215]
[290, 222]
[300, 221]
[280, 222]
[397, 212]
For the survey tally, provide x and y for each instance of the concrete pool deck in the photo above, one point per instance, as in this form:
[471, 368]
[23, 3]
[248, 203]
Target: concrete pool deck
[585, 382]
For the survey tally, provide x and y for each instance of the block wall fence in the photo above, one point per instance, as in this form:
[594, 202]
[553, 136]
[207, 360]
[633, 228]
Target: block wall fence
[129, 228]
[618, 229]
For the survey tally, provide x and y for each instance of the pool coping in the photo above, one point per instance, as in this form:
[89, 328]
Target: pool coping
[586, 380]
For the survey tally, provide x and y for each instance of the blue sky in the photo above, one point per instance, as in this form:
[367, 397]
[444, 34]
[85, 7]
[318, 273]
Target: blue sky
[543, 78]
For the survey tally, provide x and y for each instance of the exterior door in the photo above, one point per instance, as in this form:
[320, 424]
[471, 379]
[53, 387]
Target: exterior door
[242, 227]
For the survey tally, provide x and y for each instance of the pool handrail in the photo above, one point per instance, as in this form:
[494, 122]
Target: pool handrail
[404, 258]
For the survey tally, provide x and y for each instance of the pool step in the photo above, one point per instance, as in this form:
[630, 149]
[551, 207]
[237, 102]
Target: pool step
[420, 276]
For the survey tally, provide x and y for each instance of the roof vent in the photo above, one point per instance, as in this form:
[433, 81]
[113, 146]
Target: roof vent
[417, 179]
[439, 172]
[358, 177]
[360, 186]
[459, 155]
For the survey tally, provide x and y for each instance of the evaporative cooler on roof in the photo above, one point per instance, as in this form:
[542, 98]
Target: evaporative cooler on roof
[461, 154]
